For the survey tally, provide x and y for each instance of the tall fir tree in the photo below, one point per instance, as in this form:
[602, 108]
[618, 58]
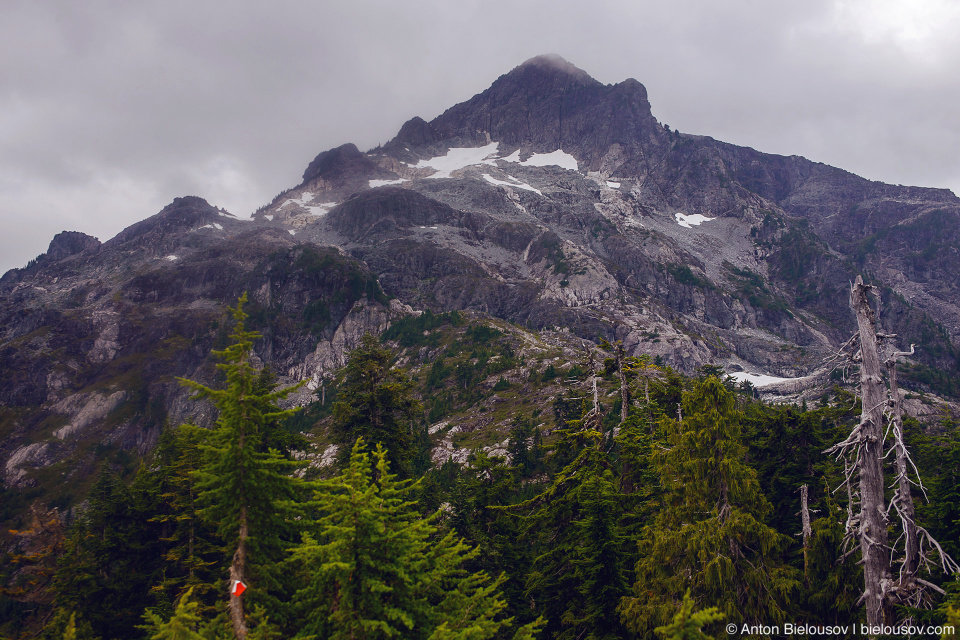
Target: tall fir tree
[374, 568]
[184, 624]
[688, 624]
[191, 545]
[248, 492]
[375, 402]
[485, 485]
[111, 558]
[709, 536]
[577, 576]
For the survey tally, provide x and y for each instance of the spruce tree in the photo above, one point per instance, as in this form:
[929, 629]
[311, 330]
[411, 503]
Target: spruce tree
[375, 402]
[577, 578]
[709, 536]
[191, 545]
[184, 624]
[373, 568]
[246, 491]
[688, 624]
[111, 558]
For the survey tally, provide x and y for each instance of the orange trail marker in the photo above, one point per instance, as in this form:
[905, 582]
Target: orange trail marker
[237, 588]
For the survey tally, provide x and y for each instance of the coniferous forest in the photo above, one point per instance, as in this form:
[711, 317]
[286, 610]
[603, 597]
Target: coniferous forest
[638, 503]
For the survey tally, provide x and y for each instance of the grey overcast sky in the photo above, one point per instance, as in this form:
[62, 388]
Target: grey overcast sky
[109, 109]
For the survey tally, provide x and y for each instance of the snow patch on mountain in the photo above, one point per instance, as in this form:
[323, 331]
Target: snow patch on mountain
[691, 221]
[513, 157]
[302, 201]
[383, 183]
[557, 158]
[457, 158]
[757, 379]
[517, 183]
[321, 209]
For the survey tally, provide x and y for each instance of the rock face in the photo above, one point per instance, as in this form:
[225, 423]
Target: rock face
[92, 338]
[550, 200]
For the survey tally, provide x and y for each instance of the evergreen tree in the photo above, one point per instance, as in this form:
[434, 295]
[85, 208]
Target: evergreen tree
[786, 445]
[833, 587]
[70, 633]
[276, 432]
[246, 491]
[374, 568]
[375, 402]
[525, 446]
[688, 624]
[183, 625]
[191, 545]
[599, 561]
[577, 577]
[111, 558]
[484, 487]
[709, 535]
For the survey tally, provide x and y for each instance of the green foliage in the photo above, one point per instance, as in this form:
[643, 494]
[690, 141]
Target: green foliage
[599, 560]
[409, 331]
[525, 446]
[832, 587]
[682, 274]
[709, 535]
[481, 334]
[786, 444]
[481, 489]
[247, 491]
[798, 251]
[64, 625]
[688, 624]
[577, 576]
[183, 625]
[376, 403]
[373, 568]
[479, 352]
[192, 548]
[111, 558]
[752, 287]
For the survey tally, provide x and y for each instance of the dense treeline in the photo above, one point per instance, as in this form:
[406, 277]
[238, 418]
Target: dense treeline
[671, 519]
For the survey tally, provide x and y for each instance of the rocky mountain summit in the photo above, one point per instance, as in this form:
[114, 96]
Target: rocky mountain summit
[549, 200]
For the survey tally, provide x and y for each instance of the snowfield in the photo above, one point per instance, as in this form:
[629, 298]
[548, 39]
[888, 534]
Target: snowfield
[383, 183]
[517, 183]
[556, 158]
[457, 158]
[691, 221]
[757, 379]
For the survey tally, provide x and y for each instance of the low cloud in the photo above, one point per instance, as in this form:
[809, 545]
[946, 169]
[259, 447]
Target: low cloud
[110, 110]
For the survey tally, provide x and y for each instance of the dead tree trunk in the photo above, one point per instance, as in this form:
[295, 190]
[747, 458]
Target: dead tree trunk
[869, 462]
[807, 531]
[903, 498]
[624, 391]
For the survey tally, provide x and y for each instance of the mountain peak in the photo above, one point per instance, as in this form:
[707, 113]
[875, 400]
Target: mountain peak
[546, 104]
[555, 62]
